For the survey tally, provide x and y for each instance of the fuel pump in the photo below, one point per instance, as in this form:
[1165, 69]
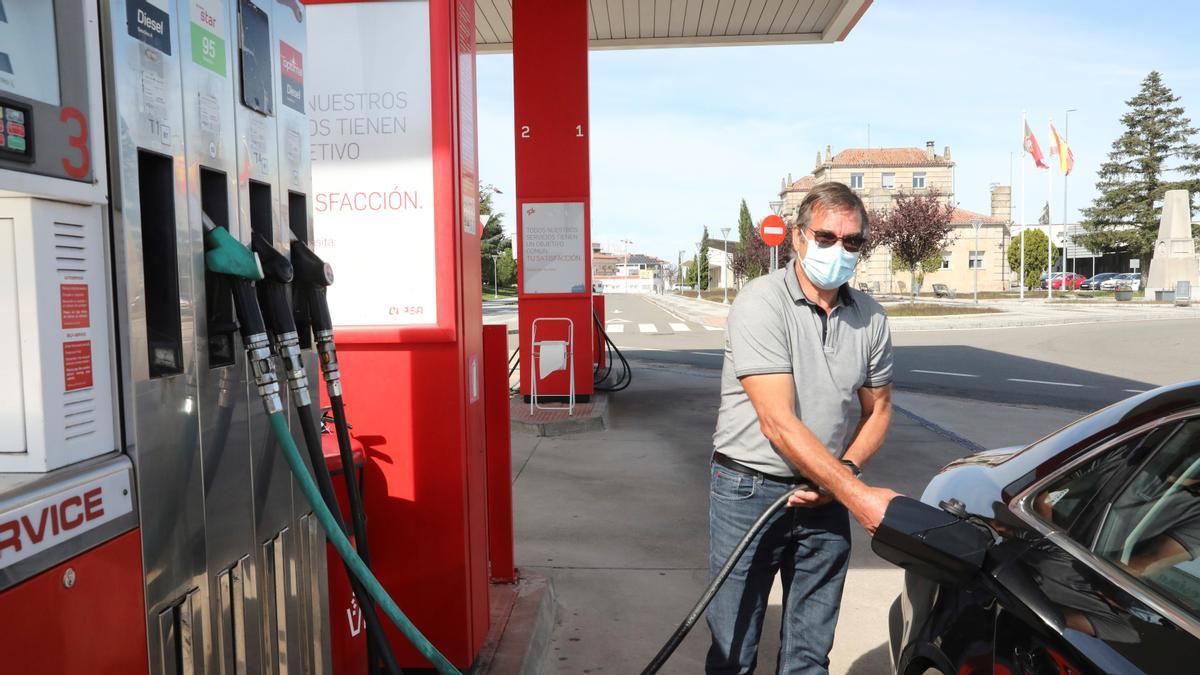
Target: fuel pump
[313, 276]
[227, 256]
[273, 293]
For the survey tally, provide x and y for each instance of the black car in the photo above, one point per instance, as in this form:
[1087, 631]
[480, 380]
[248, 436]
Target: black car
[1093, 284]
[1078, 554]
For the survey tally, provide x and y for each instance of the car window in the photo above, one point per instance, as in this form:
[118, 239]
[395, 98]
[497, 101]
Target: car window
[1152, 529]
[1064, 501]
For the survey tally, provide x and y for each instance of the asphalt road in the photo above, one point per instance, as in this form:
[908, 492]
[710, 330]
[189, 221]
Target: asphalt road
[1080, 367]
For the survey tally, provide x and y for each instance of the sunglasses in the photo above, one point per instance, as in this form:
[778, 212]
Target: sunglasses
[851, 242]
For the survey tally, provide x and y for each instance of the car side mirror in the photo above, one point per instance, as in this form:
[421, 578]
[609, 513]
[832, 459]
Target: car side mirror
[930, 542]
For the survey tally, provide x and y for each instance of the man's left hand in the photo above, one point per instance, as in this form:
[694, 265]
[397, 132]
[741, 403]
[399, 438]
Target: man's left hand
[809, 498]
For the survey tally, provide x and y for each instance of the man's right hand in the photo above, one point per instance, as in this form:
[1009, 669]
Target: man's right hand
[868, 504]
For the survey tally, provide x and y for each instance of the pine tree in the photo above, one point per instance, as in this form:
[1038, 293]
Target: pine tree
[745, 226]
[492, 241]
[703, 271]
[1155, 148]
[1044, 219]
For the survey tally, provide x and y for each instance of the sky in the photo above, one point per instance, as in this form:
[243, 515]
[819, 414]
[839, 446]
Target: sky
[680, 136]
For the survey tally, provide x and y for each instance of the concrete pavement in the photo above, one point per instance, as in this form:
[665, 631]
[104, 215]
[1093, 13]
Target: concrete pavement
[618, 520]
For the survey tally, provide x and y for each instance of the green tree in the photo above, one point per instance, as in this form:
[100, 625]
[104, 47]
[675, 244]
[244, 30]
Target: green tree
[492, 240]
[745, 226]
[506, 268]
[703, 271]
[915, 229]
[1044, 219]
[1035, 255]
[1155, 147]
[689, 275]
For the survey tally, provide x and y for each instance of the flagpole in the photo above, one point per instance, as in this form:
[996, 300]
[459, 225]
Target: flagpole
[1062, 161]
[1049, 225]
[1023, 123]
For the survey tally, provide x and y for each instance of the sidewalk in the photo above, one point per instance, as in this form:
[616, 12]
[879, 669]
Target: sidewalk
[1014, 313]
[618, 520]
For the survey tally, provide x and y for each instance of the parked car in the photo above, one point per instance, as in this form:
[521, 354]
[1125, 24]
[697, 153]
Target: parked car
[1132, 280]
[1093, 284]
[1072, 280]
[1074, 555]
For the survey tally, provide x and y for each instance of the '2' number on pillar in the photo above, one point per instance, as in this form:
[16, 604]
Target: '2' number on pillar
[524, 131]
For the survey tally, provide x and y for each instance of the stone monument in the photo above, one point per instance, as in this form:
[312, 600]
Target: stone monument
[1175, 256]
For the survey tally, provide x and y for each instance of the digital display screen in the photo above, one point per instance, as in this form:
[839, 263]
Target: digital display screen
[256, 58]
[29, 50]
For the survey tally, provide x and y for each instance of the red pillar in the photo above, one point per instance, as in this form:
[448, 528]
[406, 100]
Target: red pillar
[499, 453]
[550, 91]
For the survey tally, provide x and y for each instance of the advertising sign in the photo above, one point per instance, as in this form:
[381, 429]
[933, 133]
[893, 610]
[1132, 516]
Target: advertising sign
[553, 252]
[369, 101]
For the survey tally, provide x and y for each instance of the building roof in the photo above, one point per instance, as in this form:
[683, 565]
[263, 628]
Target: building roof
[719, 244]
[803, 185]
[643, 259]
[867, 157]
[688, 23]
[964, 217]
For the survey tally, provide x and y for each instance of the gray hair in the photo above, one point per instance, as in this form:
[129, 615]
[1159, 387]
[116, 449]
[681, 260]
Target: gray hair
[836, 197]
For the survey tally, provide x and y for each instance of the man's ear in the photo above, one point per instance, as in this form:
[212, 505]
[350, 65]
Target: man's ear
[796, 239]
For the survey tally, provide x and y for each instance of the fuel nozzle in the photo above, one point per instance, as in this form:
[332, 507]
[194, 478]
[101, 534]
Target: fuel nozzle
[223, 254]
[273, 291]
[314, 276]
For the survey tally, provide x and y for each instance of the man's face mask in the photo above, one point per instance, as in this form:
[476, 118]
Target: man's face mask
[827, 263]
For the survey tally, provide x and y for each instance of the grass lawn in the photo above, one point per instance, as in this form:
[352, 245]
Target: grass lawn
[505, 292]
[929, 309]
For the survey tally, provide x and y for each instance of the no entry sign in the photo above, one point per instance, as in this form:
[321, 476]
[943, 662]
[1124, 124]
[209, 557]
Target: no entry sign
[772, 230]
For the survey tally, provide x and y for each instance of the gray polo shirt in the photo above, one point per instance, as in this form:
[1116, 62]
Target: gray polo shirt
[773, 328]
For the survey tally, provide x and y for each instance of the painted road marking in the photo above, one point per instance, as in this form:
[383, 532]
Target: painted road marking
[940, 372]
[647, 328]
[713, 328]
[1054, 384]
[706, 354]
[679, 327]
[615, 328]
[1134, 391]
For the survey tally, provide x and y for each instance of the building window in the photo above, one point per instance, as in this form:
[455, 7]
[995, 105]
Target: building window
[945, 260]
[976, 260]
[856, 181]
[889, 181]
[919, 180]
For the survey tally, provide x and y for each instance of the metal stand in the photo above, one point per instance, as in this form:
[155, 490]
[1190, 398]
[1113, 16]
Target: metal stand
[536, 365]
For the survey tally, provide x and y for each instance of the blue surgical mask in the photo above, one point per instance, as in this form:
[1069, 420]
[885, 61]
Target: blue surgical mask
[830, 267]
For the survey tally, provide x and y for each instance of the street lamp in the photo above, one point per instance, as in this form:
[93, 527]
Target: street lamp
[679, 269]
[495, 277]
[725, 263]
[777, 208]
[699, 245]
[975, 223]
[627, 243]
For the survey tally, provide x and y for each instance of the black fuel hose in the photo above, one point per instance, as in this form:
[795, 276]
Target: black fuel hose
[599, 380]
[313, 275]
[709, 593]
[316, 455]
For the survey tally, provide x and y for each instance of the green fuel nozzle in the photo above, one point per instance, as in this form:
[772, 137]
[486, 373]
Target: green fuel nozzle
[226, 255]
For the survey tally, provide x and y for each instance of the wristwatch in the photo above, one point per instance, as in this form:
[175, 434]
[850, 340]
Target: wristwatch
[853, 468]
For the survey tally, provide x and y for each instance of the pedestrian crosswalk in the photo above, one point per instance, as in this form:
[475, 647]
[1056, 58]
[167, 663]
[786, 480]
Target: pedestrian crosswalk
[618, 326]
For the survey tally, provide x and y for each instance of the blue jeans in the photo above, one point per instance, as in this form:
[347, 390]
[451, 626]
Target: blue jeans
[809, 547]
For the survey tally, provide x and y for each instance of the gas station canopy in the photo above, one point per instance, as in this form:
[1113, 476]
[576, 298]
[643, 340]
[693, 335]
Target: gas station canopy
[633, 24]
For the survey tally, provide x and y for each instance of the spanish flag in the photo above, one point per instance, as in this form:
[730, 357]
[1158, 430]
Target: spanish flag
[1032, 147]
[1066, 158]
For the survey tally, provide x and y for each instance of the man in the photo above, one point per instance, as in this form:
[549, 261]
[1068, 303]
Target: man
[800, 346]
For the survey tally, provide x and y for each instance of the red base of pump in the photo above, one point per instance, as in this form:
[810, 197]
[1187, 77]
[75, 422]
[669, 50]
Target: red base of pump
[91, 620]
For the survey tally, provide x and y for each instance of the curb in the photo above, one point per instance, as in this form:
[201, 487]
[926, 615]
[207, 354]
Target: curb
[520, 639]
[940, 430]
[594, 420]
